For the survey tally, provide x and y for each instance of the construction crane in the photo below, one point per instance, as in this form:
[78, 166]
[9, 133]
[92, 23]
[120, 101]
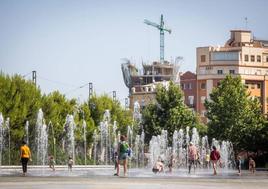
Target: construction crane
[162, 31]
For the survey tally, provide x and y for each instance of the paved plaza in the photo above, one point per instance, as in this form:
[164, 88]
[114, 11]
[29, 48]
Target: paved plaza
[102, 177]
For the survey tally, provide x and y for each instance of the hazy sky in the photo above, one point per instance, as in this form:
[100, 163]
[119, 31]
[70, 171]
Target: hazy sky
[72, 43]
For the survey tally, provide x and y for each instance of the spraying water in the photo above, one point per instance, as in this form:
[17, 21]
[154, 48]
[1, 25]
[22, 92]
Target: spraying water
[70, 140]
[26, 128]
[85, 140]
[159, 150]
[1, 137]
[41, 139]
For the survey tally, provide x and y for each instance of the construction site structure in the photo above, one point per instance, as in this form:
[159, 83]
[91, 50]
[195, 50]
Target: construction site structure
[142, 83]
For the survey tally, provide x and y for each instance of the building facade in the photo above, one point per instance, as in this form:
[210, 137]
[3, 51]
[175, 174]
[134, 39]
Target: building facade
[188, 86]
[242, 56]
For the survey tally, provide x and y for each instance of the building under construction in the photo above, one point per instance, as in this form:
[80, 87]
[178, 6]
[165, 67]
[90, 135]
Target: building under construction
[142, 83]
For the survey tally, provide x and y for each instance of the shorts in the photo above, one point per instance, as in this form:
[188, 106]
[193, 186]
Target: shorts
[191, 161]
[155, 170]
[123, 156]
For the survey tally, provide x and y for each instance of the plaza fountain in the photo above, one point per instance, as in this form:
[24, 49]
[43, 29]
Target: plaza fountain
[85, 140]
[69, 144]
[41, 139]
[160, 150]
[106, 138]
[4, 140]
[1, 136]
[26, 129]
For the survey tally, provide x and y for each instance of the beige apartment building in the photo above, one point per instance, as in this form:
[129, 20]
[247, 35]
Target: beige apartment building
[241, 55]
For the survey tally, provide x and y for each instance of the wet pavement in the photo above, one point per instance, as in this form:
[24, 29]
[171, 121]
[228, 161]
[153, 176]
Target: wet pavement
[102, 177]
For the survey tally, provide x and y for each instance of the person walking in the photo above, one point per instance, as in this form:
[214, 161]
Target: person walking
[51, 162]
[215, 157]
[171, 163]
[238, 164]
[70, 163]
[123, 149]
[192, 156]
[251, 165]
[25, 156]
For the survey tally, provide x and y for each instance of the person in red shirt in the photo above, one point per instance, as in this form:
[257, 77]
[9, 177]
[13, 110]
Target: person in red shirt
[214, 158]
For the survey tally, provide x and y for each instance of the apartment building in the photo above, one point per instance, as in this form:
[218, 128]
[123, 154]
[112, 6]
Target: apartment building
[241, 55]
[188, 86]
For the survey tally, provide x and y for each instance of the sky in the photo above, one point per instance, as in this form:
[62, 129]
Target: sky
[72, 43]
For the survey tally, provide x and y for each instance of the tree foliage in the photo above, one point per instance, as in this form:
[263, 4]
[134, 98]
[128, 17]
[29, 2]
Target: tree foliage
[234, 116]
[20, 100]
[98, 105]
[168, 112]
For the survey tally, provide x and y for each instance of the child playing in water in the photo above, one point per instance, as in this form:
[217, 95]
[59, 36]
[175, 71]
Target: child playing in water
[158, 167]
[251, 165]
[51, 162]
[238, 165]
[171, 163]
[70, 163]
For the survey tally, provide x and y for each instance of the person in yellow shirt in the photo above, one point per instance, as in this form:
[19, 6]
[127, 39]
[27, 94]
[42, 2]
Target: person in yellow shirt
[25, 156]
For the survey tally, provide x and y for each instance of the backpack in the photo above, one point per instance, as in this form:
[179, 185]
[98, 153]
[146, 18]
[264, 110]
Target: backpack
[124, 147]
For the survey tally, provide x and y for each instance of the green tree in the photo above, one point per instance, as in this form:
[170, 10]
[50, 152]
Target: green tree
[168, 112]
[56, 107]
[233, 115]
[20, 101]
[98, 105]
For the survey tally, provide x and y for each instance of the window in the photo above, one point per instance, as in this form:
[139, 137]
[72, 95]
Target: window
[266, 58]
[203, 86]
[203, 113]
[208, 67]
[224, 56]
[189, 86]
[258, 58]
[203, 58]
[246, 58]
[258, 85]
[191, 100]
[182, 86]
[252, 58]
[220, 72]
[202, 98]
[232, 71]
